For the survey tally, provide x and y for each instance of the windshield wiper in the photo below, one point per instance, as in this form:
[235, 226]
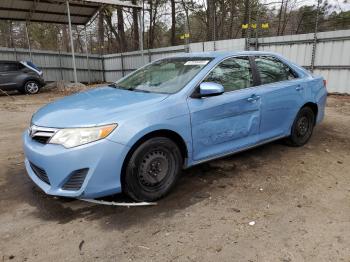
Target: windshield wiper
[138, 90]
[114, 85]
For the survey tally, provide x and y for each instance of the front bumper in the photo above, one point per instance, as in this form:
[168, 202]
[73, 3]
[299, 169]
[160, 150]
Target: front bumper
[103, 158]
[42, 82]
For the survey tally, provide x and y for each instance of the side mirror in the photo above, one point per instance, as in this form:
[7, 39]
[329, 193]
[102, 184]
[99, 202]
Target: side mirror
[210, 89]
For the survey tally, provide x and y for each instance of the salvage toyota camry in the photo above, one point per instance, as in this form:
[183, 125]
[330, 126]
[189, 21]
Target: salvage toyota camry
[136, 135]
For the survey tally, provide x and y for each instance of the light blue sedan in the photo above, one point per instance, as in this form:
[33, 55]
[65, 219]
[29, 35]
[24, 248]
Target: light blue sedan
[136, 135]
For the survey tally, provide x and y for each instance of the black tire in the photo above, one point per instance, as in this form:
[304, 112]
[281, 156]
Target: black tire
[30, 87]
[302, 128]
[152, 169]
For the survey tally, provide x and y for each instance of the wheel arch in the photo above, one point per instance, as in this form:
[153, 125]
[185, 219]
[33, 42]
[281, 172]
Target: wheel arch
[23, 81]
[172, 135]
[314, 108]
[30, 79]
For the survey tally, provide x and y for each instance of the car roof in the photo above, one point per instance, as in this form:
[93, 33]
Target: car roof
[223, 54]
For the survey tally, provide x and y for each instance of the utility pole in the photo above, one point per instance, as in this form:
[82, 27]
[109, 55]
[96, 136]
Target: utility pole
[214, 27]
[72, 43]
[315, 37]
[249, 25]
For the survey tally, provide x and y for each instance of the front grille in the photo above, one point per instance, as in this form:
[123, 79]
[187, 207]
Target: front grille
[76, 179]
[40, 173]
[41, 134]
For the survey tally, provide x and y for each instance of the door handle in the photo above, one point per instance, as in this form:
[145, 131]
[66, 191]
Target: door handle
[253, 98]
[299, 88]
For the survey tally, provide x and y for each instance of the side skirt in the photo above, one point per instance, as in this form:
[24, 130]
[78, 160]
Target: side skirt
[235, 152]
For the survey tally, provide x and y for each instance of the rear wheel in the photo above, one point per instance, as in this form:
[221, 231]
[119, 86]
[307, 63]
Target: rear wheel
[302, 127]
[31, 87]
[152, 169]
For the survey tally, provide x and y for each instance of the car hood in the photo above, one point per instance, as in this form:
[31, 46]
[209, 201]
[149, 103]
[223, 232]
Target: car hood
[95, 107]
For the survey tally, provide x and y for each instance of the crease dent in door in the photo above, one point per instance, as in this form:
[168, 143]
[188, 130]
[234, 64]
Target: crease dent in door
[226, 125]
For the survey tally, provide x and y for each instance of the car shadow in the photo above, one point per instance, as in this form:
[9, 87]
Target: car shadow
[196, 184]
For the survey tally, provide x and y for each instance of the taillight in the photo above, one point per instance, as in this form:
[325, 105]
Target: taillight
[325, 82]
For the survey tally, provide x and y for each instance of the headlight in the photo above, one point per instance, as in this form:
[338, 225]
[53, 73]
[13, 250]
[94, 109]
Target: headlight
[71, 137]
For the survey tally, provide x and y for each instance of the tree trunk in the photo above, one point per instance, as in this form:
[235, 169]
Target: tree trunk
[280, 18]
[10, 28]
[121, 32]
[66, 42]
[113, 30]
[78, 42]
[136, 40]
[232, 16]
[245, 17]
[188, 29]
[210, 19]
[152, 21]
[299, 23]
[173, 23]
[285, 19]
[101, 32]
[222, 25]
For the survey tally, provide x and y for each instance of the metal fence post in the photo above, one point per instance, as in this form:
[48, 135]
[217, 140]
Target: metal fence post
[313, 55]
[249, 26]
[122, 63]
[60, 61]
[102, 59]
[87, 55]
[72, 43]
[257, 30]
[214, 28]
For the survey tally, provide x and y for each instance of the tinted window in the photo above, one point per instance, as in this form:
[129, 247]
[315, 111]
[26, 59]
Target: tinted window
[20, 66]
[233, 73]
[8, 67]
[273, 70]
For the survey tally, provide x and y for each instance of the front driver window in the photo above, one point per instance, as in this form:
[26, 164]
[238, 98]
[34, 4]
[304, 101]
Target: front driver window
[233, 73]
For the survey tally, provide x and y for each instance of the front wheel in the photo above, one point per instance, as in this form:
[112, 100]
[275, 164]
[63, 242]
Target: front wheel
[302, 128]
[31, 87]
[152, 169]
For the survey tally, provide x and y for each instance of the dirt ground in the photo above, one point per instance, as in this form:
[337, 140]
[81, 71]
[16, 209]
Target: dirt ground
[299, 199]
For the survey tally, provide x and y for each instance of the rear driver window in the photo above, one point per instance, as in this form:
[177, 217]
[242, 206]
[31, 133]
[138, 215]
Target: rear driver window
[273, 70]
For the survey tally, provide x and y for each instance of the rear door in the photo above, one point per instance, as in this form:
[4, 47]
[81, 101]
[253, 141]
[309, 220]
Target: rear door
[8, 74]
[282, 95]
[230, 121]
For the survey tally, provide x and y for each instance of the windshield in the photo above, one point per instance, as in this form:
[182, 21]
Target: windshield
[164, 76]
[32, 65]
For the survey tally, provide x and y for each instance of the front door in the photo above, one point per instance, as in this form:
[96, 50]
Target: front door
[228, 122]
